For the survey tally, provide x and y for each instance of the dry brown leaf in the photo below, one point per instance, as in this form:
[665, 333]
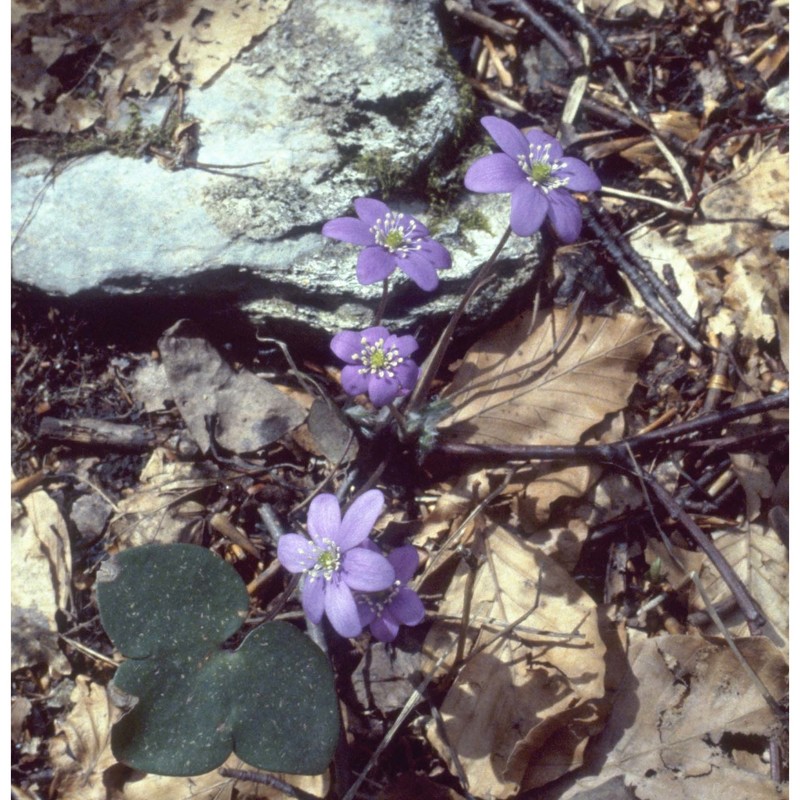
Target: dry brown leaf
[212, 786]
[520, 712]
[41, 579]
[734, 240]
[761, 560]
[81, 749]
[683, 719]
[509, 390]
[164, 507]
[248, 412]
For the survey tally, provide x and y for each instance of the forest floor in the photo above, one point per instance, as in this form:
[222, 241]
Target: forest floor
[612, 616]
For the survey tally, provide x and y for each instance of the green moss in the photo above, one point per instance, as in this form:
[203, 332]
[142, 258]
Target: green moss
[391, 175]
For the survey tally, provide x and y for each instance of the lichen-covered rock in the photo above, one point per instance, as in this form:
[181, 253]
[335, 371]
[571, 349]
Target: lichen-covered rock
[334, 110]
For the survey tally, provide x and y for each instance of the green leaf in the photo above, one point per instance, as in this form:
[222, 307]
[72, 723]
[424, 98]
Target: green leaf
[169, 608]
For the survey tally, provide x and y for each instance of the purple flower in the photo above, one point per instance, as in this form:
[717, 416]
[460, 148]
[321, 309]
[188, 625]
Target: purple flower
[378, 363]
[386, 611]
[333, 564]
[390, 240]
[534, 169]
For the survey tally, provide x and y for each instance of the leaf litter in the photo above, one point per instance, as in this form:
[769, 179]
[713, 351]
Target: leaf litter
[616, 683]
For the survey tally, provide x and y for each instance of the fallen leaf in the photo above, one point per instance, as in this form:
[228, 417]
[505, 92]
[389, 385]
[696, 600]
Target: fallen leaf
[41, 577]
[509, 389]
[520, 712]
[250, 413]
[80, 751]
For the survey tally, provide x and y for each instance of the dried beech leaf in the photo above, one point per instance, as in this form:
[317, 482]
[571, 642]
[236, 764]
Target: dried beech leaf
[521, 711]
[81, 749]
[684, 719]
[510, 390]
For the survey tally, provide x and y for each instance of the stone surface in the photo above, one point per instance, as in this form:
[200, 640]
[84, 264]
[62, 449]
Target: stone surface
[316, 99]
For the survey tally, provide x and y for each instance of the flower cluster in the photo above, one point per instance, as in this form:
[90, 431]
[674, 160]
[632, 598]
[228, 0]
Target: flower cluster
[345, 576]
[534, 169]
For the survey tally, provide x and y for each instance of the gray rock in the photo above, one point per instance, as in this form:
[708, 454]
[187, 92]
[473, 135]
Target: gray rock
[334, 110]
[777, 99]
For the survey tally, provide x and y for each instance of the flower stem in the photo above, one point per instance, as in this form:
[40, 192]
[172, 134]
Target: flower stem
[434, 360]
[381, 309]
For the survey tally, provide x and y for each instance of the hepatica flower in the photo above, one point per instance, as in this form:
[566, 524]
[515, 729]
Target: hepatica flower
[386, 611]
[378, 363]
[534, 169]
[333, 564]
[390, 240]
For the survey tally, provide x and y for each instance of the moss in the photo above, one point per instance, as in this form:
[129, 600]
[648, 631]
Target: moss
[391, 174]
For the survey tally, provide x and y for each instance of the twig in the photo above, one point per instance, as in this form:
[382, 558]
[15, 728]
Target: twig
[267, 780]
[677, 208]
[549, 32]
[481, 20]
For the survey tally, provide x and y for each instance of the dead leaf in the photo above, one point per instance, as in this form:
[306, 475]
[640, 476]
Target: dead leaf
[682, 716]
[250, 413]
[41, 577]
[519, 713]
[510, 390]
[80, 751]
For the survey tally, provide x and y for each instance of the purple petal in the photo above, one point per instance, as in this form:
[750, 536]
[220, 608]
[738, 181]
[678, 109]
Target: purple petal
[365, 571]
[437, 254]
[405, 561]
[581, 176]
[349, 229]
[324, 519]
[382, 391]
[372, 335]
[340, 607]
[420, 270]
[313, 598]
[564, 215]
[296, 553]
[345, 344]
[354, 382]
[405, 345]
[406, 375]
[421, 230]
[366, 613]
[528, 209]
[495, 173]
[370, 210]
[406, 607]
[360, 518]
[374, 264]
[539, 137]
[384, 628]
[509, 138]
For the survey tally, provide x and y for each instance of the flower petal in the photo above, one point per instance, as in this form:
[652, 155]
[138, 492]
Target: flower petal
[528, 209]
[353, 381]
[345, 344]
[384, 628]
[366, 612]
[374, 264]
[406, 375]
[405, 560]
[420, 270]
[382, 391]
[313, 598]
[370, 211]
[348, 229]
[406, 607]
[324, 519]
[436, 253]
[510, 139]
[296, 553]
[420, 231]
[372, 335]
[495, 173]
[564, 215]
[535, 137]
[581, 176]
[405, 345]
[365, 571]
[360, 518]
[340, 607]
